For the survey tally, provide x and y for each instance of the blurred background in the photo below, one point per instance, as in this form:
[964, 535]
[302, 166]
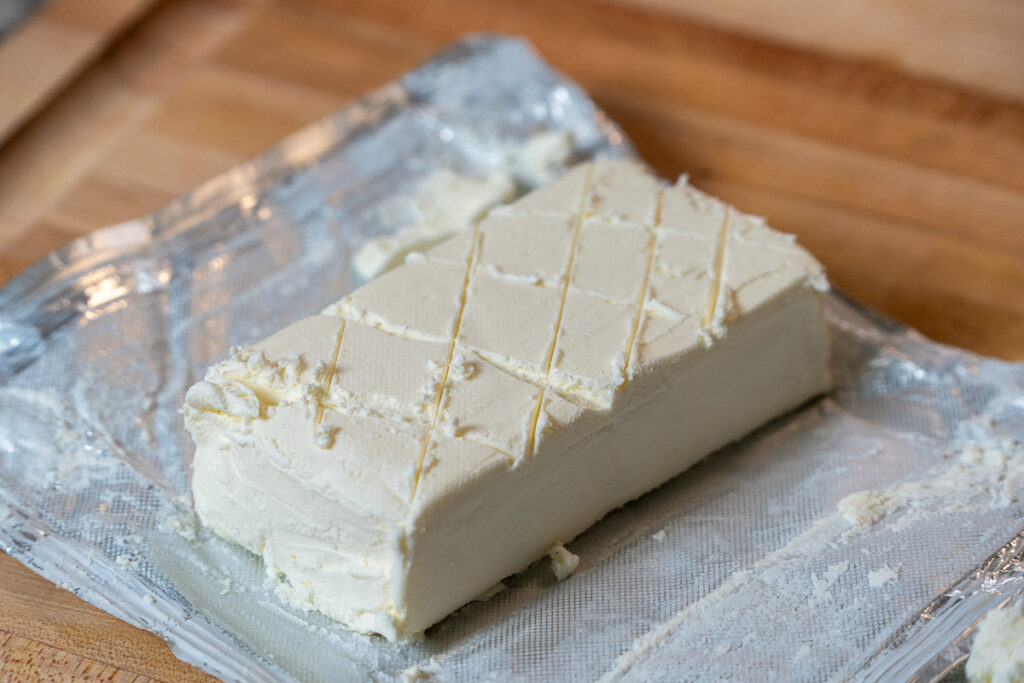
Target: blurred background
[887, 134]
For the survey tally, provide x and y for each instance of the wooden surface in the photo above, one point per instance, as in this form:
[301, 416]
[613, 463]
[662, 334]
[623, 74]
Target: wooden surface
[60, 42]
[888, 134]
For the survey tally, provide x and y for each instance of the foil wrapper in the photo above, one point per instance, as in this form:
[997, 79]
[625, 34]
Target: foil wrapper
[756, 563]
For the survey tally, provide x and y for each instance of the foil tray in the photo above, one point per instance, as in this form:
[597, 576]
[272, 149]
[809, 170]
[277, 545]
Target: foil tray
[742, 567]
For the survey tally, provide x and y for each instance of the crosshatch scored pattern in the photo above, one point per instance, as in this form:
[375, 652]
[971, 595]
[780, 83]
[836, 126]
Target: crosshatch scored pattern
[478, 347]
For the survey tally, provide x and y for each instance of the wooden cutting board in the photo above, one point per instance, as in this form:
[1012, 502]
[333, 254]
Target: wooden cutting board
[887, 134]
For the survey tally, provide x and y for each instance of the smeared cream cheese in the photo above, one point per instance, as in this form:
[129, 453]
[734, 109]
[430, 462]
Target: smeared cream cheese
[446, 202]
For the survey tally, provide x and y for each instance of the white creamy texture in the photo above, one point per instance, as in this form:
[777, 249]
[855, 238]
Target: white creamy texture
[997, 653]
[445, 425]
[422, 672]
[446, 202]
[563, 562]
[541, 158]
[1004, 461]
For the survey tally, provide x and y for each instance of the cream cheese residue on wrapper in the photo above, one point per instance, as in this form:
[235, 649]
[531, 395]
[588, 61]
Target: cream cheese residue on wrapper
[442, 204]
[446, 202]
[882, 576]
[973, 480]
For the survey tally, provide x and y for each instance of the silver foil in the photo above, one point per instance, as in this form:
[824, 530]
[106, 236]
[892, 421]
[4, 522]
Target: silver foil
[741, 567]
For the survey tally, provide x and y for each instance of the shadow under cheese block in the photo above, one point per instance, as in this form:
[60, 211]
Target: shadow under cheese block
[445, 425]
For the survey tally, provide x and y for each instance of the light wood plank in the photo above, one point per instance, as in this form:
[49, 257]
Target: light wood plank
[976, 44]
[26, 660]
[685, 140]
[675, 62]
[49, 156]
[47, 632]
[328, 50]
[54, 47]
[237, 112]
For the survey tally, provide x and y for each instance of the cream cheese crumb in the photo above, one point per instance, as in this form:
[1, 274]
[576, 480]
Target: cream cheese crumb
[460, 369]
[448, 426]
[997, 654]
[320, 371]
[563, 562]
[863, 508]
[324, 437]
[424, 671]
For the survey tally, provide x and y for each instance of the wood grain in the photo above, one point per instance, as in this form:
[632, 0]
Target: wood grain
[48, 634]
[40, 59]
[888, 134]
[977, 43]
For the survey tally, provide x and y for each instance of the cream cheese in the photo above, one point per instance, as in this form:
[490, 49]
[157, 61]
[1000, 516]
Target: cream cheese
[997, 654]
[563, 562]
[442, 204]
[455, 419]
[445, 202]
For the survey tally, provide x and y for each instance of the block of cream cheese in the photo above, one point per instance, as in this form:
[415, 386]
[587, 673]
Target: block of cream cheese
[448, 423]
